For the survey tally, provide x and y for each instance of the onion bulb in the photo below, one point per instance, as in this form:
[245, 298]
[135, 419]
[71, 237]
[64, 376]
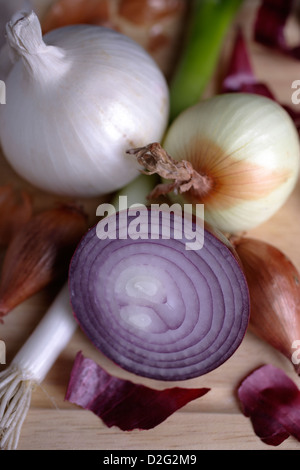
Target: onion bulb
[244, 150]
[77, 98]
[274, 287]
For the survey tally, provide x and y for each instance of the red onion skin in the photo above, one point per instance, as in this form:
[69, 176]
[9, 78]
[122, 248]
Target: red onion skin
[123, 403]
[272, 402]
[270, 23]
[240, 77]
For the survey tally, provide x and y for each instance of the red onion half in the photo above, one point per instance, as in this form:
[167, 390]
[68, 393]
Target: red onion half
[151, 305]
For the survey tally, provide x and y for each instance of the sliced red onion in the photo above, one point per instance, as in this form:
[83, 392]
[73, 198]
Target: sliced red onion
[151, 305]
[123, 403]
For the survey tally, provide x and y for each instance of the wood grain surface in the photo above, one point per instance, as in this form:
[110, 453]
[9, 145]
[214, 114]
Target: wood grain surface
[213, 422]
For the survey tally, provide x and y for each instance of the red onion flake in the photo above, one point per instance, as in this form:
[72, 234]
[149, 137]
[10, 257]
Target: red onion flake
[272, 402]
[240, 77]
[123, 403]
[154, 304]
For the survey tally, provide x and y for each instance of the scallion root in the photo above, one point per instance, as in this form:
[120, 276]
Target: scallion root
[15, 398]
[30, 366]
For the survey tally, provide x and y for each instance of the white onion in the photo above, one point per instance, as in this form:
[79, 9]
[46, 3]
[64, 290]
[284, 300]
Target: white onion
[248, 148]
[76, 104]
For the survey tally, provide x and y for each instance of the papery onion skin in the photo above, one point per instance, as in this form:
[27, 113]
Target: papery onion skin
[157, 26]
[240, 77]
[271, 400]
[276, 15]
[274, 286]
[121, 402]
[39, 253]
[155, 308]
[16, 209]
[6, 11]
[248, 146]
[73, 108]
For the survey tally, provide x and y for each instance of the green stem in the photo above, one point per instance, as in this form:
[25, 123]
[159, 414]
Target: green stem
[210, 21]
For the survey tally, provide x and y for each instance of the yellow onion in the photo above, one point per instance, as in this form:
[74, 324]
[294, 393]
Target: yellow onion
[238, 155]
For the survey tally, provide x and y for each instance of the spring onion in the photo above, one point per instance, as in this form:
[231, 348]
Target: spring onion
[209, 23]
[30, 366]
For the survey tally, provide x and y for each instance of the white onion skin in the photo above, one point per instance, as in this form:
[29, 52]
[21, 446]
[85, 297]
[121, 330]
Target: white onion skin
[68, 121]
[249, 146]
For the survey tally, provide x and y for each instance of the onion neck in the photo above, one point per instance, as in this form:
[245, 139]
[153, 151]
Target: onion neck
[156, 160]
[24, 37]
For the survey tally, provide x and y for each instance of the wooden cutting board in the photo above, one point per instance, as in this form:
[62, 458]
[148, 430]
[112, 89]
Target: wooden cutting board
[211, 422]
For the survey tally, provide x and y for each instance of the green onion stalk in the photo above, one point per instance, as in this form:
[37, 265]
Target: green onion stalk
[210, 21]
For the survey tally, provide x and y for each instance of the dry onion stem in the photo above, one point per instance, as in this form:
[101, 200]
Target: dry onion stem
[15, 210]
[274, 285]
[156, 160]
[39, 252]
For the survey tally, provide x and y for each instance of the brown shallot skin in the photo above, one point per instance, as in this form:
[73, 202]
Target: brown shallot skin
[39, 253]
[274, 287]
[157, 25]
[15, 210]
